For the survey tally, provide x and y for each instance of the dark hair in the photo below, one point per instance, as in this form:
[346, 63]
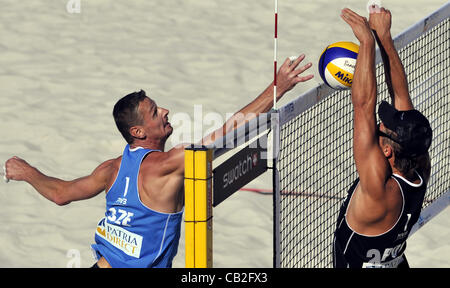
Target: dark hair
[126, 114]
[404, 163]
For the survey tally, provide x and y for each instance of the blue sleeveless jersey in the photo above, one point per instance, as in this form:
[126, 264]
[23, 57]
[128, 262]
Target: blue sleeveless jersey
[132, 235]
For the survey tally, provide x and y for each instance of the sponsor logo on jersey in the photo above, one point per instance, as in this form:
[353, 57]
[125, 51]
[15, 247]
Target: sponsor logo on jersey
[126, 241]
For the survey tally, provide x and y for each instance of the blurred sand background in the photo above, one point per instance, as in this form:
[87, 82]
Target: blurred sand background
[61, 74]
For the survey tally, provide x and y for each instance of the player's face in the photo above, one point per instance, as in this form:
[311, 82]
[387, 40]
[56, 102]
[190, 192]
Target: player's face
[155, 120]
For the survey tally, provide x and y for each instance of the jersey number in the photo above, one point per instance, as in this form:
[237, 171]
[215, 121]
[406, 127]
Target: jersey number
[376, 254]
[123, 219]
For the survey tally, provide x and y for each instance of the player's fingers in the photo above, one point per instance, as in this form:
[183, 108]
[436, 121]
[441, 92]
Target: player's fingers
[303, 78]
[347, 19]
[297, 61]
[352, 13]
[286, 62]
[350, 18]
[302, 69]
[345, 13]
[353, 16]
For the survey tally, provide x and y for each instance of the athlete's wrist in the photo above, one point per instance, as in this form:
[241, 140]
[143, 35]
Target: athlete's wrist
[385, 38]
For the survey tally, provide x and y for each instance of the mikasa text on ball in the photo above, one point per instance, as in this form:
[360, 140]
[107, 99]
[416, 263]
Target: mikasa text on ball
[337, 64]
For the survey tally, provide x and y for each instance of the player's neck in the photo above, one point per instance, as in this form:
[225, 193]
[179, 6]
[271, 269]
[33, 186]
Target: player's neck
[153, 145]
[410, 175]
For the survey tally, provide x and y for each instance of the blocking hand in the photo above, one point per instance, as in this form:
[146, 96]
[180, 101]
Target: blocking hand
[359, 25]
[380, 22]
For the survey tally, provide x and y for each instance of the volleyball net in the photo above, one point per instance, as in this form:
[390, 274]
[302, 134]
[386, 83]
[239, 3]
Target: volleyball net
[315, 162]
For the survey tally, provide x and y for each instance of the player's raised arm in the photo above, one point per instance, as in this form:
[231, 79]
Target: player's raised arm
[370, 162]
[380, 23]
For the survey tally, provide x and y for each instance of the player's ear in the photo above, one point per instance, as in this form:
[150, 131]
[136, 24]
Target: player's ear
[387, 151]
[137, 132]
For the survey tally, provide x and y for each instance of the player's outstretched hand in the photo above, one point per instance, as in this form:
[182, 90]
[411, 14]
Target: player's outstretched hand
[289, 75]
[359, 25]
[380, 22]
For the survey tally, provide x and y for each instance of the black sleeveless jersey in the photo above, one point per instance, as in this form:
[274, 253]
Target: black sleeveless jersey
[354, 250]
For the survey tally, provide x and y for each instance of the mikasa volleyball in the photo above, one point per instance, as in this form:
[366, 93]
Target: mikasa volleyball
[337, 64]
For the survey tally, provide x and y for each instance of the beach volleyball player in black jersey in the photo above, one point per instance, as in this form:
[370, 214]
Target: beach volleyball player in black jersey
[391, 158]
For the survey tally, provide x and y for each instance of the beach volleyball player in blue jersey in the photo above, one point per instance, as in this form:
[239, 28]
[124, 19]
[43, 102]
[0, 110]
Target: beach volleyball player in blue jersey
[145, 186]
[391, 158]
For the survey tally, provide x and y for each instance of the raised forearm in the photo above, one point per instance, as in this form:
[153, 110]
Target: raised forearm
[364, 81]
[262, 104]
[396, 76]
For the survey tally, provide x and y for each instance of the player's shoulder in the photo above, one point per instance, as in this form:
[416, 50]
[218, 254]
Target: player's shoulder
[164, 157]
[109, 165]
[165, 162]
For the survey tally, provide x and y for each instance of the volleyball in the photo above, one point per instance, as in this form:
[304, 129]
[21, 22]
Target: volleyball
[337, 64]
